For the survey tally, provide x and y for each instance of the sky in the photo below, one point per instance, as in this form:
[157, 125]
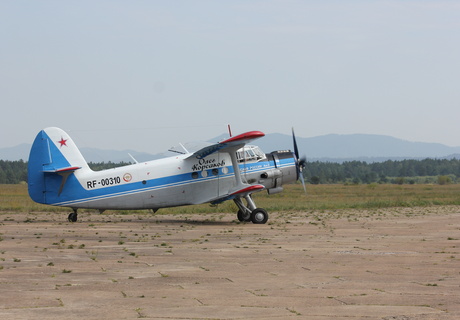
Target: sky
[146, 75]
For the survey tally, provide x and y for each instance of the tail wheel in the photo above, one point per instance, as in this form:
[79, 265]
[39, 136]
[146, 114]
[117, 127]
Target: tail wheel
[259, 216]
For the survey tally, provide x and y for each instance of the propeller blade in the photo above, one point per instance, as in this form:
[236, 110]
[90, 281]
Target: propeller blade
[300, 161]
[296, 150]
[303, 182]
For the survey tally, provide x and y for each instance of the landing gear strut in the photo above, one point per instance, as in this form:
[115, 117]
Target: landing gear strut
[250, 212]
[73, 216]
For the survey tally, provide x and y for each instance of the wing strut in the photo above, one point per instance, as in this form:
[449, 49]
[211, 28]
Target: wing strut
[236, 168]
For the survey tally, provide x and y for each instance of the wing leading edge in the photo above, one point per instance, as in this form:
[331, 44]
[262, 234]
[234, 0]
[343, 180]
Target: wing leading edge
[233, 143]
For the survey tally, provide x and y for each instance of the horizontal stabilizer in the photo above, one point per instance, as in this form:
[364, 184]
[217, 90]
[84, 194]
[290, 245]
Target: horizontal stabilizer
[64, 172]
[61, 170]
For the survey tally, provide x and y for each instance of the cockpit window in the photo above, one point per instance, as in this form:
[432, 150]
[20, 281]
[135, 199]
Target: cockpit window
[249, 154]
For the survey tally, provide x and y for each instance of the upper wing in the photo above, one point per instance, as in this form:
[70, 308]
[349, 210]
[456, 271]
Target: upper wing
[233, 142]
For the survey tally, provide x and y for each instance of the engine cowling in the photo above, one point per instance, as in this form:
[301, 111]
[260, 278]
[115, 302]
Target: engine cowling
[272, 174]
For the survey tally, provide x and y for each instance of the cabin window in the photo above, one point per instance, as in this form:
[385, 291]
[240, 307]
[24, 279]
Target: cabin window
[195, 175]
[215, 172]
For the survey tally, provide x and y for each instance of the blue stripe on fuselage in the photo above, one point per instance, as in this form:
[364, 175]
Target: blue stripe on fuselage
[75, 195]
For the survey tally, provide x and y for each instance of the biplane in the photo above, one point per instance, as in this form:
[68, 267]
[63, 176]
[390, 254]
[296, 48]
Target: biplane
[231, 169]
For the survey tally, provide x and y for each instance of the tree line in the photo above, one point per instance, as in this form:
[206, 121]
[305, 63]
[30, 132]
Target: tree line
[390, 171]
[14, 172]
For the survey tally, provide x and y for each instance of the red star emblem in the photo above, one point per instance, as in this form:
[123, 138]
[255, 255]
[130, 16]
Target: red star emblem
[63, 142]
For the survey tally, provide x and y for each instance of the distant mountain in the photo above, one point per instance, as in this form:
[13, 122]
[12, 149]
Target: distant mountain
[102, 155]
[358, 146]
[331, 147]
[15, 153]
[90, 154]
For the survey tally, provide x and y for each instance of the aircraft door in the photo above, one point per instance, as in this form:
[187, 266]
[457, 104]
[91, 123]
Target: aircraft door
[222, 174]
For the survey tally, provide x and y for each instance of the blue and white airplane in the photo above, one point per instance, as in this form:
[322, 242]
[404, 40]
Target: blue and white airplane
[58, 175]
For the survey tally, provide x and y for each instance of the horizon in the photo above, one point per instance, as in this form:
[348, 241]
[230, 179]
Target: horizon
[328, 149]
[273, 133]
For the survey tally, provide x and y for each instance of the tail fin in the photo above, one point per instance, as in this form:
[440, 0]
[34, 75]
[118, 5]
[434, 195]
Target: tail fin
[53, 158]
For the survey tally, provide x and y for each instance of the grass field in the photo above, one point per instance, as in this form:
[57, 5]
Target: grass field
[14, 198]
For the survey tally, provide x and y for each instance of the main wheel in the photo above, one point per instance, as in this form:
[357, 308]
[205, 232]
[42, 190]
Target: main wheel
[259, 216]
[243, 217]
[73, 217]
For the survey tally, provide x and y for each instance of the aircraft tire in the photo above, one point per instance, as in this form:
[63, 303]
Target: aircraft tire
[73, 217]
[242, 217]
[259, 216]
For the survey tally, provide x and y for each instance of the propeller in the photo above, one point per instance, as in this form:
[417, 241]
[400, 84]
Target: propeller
[301, 162]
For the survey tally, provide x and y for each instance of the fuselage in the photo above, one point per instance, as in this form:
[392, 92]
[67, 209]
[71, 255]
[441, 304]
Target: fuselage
[168, 182]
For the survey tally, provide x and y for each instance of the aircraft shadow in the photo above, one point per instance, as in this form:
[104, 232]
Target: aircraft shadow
[94, 219]
[193, 222]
